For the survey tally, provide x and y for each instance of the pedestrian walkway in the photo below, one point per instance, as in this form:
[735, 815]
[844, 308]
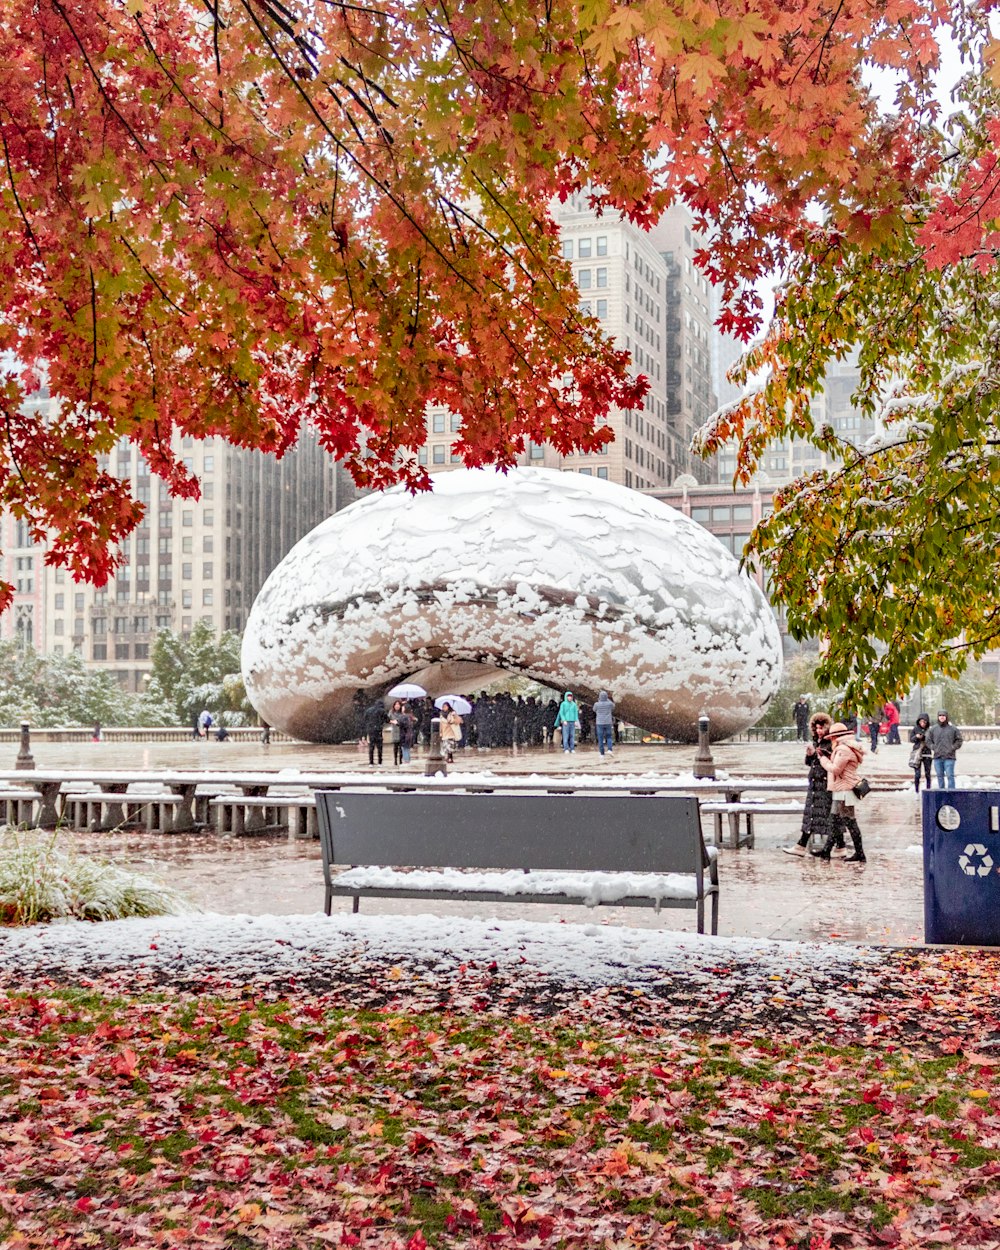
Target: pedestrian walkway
[764, 892]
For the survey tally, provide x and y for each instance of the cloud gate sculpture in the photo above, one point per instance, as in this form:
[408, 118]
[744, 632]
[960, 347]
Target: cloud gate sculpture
[570, 580]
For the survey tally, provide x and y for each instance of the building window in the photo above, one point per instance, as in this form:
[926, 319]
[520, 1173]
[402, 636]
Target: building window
[456, 423]
[60, 602]
[701, 515]
[438, 453]
[206, 598]
[602, 245]
[209, 467]
[206, 570]
[163, 622]
[187, 518]
[535, 452]
[454, 457]
[185, 572]
[583, 279]
[58, 627]
[722, 514]
[602, 277]
[567, 249]
[603, 471]
[141, 624]
[742, 512]
[208, 516]
[583, 249]
[142, 651]
[587, 472]
[602, 308]
[186, 601]
[422, 456]
[100, 650]
[437, 423]
[121, 651]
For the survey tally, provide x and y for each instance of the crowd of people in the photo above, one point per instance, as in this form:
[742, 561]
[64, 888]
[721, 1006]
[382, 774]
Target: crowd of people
[833, 758]
[494, 722]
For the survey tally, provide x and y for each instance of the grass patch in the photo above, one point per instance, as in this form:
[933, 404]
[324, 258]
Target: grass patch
[42, 878]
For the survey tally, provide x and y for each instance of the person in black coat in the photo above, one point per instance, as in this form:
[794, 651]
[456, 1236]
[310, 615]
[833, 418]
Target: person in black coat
[816, 812]
[374, 719]
[922, 754]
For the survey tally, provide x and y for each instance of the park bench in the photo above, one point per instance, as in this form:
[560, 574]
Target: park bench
[243, 814]
[18, 804]
[618, 850]
[97, 809]
[748, 809]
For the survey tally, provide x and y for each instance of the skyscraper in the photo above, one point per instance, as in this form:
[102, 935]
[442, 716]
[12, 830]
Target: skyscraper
[186, 561]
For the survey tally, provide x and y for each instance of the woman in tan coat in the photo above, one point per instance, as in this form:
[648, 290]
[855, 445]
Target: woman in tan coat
[841, 776]
[451, 730]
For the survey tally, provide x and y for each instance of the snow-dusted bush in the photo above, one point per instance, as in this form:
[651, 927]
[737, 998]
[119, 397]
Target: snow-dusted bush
[41, 880]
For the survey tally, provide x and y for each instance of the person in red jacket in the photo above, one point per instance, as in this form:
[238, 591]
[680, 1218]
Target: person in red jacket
[891, 713]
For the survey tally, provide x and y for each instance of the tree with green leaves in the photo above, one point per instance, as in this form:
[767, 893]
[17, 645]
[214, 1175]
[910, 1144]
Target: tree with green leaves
[199, 670]
[891, 559]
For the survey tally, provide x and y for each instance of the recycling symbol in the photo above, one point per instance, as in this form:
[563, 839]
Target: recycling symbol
[975, 861]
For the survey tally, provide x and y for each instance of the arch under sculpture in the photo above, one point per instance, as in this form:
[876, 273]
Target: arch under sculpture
[570, 580]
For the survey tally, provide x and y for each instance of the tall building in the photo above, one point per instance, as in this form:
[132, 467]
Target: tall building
[644, 289]
[187, 561]
[784, 461]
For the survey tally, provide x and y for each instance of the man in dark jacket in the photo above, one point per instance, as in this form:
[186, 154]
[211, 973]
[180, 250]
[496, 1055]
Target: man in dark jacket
[375, 717]
[801, 713]
[604, 722]
[944, 739]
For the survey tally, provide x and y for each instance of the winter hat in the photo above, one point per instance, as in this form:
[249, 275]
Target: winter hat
[603, 694]
[942, 712]
[838, 729]
[569, 694]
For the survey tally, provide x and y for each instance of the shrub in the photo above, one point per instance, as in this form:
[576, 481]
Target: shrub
[41, 880]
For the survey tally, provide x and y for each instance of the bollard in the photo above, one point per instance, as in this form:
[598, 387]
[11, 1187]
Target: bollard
[436, 763]
[24, 757]
[704, 765]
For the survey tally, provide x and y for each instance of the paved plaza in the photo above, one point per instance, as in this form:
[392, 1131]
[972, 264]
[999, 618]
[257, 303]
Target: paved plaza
[765, 893]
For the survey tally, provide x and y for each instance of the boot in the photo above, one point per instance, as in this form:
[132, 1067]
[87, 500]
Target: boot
[859, 851]
[834, 838]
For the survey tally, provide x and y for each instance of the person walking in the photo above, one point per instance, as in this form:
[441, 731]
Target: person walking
[874, 729]
[816, 811]
[801, 713]
[841, 768]
[568, 717]
[604, 723]
[891, 718]
[451, 731]
[922, 754]
[373, 720]
[944, 739]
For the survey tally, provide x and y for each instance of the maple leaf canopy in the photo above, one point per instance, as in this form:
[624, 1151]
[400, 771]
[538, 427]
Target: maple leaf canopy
[891, 558]
[233, 217]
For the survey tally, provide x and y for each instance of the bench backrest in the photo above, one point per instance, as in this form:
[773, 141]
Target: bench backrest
[590, 832]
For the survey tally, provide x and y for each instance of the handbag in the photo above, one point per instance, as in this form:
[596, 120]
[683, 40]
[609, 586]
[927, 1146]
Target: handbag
[915, 756]
[861, 789]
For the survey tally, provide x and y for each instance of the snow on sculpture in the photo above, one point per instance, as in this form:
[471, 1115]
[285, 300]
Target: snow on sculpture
[567, 579]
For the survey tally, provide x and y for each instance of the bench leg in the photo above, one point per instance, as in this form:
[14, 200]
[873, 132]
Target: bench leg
[715, 915]
[329, 900]
[750, 832]
[356, 904]
[718, 828]
[701, 915]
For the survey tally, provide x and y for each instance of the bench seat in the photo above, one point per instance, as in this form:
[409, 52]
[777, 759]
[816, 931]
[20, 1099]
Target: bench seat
[748, 809]
[242, 814]
[591, 889]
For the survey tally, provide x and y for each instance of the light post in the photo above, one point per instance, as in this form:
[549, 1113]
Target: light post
[24, 757]
[436, 763]
[704, 765]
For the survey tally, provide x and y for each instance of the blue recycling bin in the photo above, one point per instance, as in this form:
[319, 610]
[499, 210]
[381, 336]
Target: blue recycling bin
[962, 866]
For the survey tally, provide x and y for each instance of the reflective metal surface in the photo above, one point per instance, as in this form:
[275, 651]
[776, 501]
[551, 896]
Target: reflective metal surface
[570, 580]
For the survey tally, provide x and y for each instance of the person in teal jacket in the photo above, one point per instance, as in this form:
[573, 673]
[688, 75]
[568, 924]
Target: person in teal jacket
[569, 717]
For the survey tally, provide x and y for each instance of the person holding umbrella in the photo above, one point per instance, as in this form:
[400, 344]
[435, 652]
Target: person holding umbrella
[451, 729]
